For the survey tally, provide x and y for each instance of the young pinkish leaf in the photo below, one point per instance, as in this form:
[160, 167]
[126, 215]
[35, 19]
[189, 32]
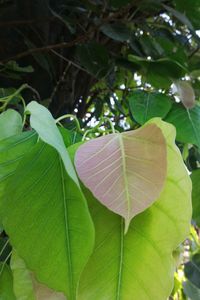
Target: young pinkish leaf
[125, 171]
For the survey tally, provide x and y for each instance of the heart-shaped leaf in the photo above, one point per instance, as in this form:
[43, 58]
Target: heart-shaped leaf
[140, 264]
[145, 105]
[186, 122]
[125, 171]
[43, 203]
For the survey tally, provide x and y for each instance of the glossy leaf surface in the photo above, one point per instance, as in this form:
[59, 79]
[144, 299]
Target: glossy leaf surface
[58, 222]
[140, 264]
[122, 169]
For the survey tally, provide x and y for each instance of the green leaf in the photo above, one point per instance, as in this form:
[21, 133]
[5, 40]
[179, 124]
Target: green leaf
[191, 291]
[118, 167]
[187, 123]
[140, 264]
[6, 283]
[10, 123]
[116, 31]
[12, 151]
[42, 121]
[145, 105]
[180, 16]
[26, 286]
[43, 203]
[14, 66]
[191, 9]
[94, 58]
[195, 176]
[192, 270]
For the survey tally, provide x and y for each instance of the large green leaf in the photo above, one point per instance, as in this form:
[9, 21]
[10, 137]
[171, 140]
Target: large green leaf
[10, 123]
[145, 105]
[118, 167]
[43, 203]
[6, 283]
[25, 285]
[187, 123]
[42, 121]
[140, 264]
[196, 196]
[12, 151]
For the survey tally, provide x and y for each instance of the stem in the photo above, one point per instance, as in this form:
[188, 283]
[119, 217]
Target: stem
[96, 128]
[4, 247]
[3, 265]
[72, 117]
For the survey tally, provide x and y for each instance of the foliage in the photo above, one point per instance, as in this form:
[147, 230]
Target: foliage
[95, 200]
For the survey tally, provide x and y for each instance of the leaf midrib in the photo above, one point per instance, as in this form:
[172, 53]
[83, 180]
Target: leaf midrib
[71, 295]
[121, 144]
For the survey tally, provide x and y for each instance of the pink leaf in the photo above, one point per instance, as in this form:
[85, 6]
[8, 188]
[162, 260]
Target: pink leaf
[125, 171]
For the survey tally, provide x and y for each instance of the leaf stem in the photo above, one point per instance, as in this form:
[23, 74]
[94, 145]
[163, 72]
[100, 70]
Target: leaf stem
[71, 117]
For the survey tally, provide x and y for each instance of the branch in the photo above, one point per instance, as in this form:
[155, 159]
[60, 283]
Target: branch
[26, 22]
[47, 48]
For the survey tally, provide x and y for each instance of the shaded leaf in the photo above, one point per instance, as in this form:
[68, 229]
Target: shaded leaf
[195, 176]
[145, 105]
[192, 270]
[191, 290]
[186, 122]
[191, 9]
[94, 58]
[42, 121]
[58, 223]
[10, 123]
[14, 66]
[185, 93]
[117, 168]
[116, 31]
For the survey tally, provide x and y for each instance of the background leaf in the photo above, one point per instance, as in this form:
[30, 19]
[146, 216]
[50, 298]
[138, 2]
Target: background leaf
[195, 176]
[145, 105]
[192, 270]
[186, 122]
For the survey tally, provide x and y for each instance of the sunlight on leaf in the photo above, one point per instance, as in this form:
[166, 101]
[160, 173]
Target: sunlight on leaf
[125, 171]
